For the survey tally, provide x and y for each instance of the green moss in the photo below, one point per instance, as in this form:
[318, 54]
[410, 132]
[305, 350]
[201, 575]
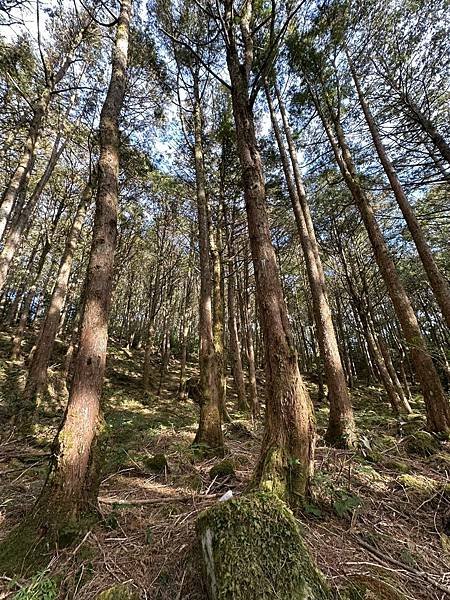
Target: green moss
[274, 471]
[443, 458]
[29, 546]
[374, 456]
[157, 463]
[396, 465]
[421, 443]
[225, 468]
[23, 551]
[252, 548]
[118, 592]
[418, 483]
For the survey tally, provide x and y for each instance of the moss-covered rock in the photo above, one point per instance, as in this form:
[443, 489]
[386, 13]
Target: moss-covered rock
[253, 549]
[396, 465]
[422, 443]
[418, 483]
[224, 468]
[118, 592]
[157, 463]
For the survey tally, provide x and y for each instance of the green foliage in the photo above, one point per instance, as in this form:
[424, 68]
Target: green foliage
[346, 503]
[41, 587]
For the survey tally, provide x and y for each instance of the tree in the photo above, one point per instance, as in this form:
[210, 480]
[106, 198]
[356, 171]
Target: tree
[286, 460]
[70, 490]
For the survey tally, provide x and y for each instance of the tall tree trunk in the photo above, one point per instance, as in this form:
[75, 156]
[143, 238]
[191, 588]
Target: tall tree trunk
[15, 234]
[37, 373]
[247, 336]
[287, 453]
[233, 334]
[437, 406]
[26, 302]
[18, 182]
[235, 349]
[72, 483]
[341, 431]
[219, 318]
[438, 283]
[209, 432]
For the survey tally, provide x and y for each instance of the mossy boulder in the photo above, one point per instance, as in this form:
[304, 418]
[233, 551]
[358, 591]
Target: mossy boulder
[253, 549]
[224, 468]
[157, 463]
[418, 483]
[421, 443]
[118, 592]
[396, 465]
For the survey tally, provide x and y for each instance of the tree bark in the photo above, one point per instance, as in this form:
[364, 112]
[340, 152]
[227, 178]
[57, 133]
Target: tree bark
[18, 182]
[437, 406]
[341, 431]
[438, 283]
[15, 233]
[209, 432]
[37, 372]
[287, 453]
[72, 483]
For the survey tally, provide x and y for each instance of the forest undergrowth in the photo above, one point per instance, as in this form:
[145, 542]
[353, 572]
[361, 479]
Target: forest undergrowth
[377, 516]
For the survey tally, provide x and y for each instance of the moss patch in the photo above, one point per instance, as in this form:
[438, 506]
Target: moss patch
[118, 592]
[225, 468]
[422, 443]
[252, 548]
[157, 463]
[418, 483]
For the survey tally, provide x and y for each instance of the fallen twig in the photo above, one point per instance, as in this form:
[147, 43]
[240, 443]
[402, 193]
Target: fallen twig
[410, 570]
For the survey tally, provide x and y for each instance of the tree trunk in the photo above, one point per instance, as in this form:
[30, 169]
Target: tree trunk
[437, 280]
[37, 373]
[287, 453]
[209, 432]
[341, 431]
[437, 406]
[18, 182]
[245, 308]
[235, 349]
[233, 334]
[72, 483]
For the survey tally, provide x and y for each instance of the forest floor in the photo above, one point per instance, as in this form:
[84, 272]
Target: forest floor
[377, 516]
